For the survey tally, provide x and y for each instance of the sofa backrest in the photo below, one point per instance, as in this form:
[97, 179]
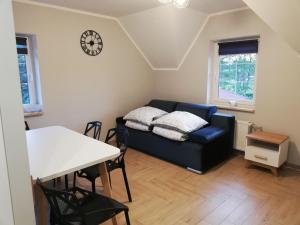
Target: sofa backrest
[168, 106]
[201, 110]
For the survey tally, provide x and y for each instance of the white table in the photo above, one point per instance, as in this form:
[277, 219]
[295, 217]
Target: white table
[56, 151]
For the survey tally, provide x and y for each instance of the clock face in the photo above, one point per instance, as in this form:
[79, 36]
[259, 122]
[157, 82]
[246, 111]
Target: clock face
[91, 42]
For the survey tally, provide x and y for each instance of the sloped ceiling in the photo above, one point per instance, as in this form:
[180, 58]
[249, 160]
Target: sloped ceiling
[214, 6]
[115, 8]
[164, 33]
[282, 16]
[118, 8]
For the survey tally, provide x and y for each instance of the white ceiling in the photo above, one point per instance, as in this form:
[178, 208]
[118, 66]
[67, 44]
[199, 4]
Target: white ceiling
[163, 33]
[214, 6]
[118, 8]
[284, 18]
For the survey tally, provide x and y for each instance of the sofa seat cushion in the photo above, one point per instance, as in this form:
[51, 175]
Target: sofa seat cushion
[206, 135]
[203, 111]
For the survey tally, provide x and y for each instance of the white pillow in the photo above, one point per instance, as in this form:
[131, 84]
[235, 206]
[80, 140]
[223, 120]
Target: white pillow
[170, 134]
[137, 126]
[144, 115]
[184, 122]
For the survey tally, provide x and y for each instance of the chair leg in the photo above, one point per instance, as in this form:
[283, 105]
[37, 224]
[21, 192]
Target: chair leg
[66, 182]
[126, 184]
[94, 186]
[74, 180]
[127, 217]
[54, 183]
[109, 180]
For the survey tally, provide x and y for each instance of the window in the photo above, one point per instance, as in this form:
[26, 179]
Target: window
[28, 71]
[233, 83]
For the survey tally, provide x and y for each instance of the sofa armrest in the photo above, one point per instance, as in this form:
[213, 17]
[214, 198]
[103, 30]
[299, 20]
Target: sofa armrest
[206, 135]
[225, 121]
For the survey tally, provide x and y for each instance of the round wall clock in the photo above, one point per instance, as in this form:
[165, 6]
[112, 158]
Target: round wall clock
[91, 42]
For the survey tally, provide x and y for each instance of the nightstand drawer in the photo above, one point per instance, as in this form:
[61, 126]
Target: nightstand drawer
[261, 155]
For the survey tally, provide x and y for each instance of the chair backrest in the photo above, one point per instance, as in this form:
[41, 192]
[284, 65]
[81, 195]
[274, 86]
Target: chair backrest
[122, 134]
[61, 202]
[26, 126]
[93, 129]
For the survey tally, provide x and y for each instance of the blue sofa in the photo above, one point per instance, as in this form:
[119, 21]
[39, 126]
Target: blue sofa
[204, 149]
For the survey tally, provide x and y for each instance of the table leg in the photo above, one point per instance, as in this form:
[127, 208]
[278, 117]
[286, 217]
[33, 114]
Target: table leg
[41, 205]
[106, 185]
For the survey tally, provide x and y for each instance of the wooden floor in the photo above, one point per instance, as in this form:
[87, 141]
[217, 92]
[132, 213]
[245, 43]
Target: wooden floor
[166, 194]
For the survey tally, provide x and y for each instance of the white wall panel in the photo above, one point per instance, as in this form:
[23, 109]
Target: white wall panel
[13, 135]
[282, 16]
[6, 215]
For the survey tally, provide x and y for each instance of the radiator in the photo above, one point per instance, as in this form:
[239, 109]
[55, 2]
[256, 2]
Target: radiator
[242, 128]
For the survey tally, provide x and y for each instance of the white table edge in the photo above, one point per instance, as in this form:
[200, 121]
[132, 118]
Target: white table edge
[45, 179]
[74, 169]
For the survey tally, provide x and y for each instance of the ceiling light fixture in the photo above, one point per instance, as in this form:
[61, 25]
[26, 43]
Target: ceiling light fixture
[177, 3]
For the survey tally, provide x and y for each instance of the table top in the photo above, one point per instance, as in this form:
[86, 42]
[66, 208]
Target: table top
[268, 137]
[56, 151]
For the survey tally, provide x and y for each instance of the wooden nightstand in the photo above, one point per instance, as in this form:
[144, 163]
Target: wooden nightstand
[267, 150]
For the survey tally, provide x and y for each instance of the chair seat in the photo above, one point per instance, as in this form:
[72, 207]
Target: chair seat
[95, 216]
[111, 165]
[96, 209]
[91, 172]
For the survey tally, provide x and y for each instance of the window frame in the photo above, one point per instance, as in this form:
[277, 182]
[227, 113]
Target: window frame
[33, 77]
[240, 105]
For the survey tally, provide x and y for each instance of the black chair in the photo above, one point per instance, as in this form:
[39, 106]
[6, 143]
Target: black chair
[80, 207]
[91, 173]
[26, 126]
[92, 129]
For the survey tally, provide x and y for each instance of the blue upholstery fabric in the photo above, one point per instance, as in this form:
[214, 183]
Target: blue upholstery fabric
[167, 106]
[203, 111]
[223, 120]
[206, 147]
[186, 154]
[206, 135]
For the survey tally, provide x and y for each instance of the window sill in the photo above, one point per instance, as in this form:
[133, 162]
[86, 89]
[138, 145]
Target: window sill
[237, 109]
[31, 114]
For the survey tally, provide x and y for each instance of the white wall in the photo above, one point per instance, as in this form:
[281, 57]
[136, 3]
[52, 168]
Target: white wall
[282, 16]
[15, 188]
[5, 197]
[78, 88]
[278, 93]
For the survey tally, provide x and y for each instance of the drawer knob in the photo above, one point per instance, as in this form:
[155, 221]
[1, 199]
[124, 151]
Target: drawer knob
[261, 157]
